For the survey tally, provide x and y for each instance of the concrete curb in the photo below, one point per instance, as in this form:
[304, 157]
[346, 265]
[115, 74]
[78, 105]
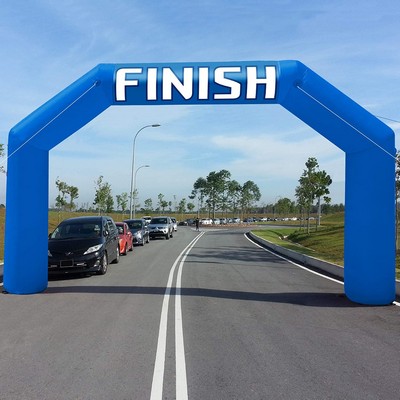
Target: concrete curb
[333, 270]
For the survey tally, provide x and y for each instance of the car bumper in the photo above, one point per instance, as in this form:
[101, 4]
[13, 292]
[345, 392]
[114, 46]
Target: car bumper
[157, 233]
[86, 263]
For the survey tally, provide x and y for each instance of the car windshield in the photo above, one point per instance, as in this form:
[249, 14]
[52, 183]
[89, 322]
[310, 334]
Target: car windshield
[135, 224]
[159, 221]
[76, 230]
[120, 229]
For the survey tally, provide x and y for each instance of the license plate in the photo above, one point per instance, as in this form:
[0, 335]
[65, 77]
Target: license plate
[67, 263]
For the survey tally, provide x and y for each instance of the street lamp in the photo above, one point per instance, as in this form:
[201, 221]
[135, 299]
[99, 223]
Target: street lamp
[133, 163]
[134, 189]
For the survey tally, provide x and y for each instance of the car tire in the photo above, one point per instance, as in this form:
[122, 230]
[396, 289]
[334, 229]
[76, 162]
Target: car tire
[116, 261]
[103, 265]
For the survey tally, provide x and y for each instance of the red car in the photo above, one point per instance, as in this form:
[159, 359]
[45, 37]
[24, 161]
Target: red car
[125, 238]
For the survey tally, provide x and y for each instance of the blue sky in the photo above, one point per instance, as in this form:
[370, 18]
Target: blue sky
[47, 45]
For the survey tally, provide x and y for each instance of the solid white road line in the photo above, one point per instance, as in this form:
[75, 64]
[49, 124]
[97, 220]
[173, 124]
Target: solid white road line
[302, 267]
[292, 262]
[159, 365]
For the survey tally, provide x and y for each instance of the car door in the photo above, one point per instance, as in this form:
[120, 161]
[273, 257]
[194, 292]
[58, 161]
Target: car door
[112, 240]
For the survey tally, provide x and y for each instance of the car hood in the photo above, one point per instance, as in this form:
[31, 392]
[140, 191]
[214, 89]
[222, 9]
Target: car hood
[62, 245]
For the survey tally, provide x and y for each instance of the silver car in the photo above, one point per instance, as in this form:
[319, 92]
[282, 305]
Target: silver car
[161, 227]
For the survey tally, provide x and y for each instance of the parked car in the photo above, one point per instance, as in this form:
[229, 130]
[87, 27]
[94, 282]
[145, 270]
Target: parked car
[83, 244]
[139, 230]
[161, 226]
[125, 238]
[174, 224]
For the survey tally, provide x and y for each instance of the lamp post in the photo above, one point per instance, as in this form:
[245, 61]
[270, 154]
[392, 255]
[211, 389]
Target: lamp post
[134, 188]
[133, 163]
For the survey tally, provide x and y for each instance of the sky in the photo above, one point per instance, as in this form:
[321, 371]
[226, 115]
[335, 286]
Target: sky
[46, 45]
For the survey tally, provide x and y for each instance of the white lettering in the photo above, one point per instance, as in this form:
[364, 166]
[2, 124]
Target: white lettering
[269, 81]
[222, 83]
[171, 80]
[121, 82]
[152, 84]
[203, 83]
[219, 77]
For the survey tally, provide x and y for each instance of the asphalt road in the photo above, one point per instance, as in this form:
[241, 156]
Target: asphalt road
[201, 316]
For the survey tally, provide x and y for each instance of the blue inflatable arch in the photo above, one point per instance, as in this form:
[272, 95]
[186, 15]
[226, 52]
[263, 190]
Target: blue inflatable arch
[369, 261]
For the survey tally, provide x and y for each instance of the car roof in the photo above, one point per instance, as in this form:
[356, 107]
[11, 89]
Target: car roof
[86, 219]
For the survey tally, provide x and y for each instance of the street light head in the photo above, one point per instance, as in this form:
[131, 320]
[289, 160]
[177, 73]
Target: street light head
[155, 125]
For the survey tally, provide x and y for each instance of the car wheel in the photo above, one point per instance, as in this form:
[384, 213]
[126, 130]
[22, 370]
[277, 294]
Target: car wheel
[103, 265]
[116, 261]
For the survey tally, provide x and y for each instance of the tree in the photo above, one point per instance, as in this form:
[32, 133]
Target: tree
[250, 193]
[216, 186]
[198, 193]
[103, 198]
[284, 206]
[181, 207]
[190, 207]
[2, 154]
[234, 194]
[135, 198]
[122, 201]
[313, 184]
[148, 204]
[212, 190]
[162, 204]
[61, 201]
[73, 192]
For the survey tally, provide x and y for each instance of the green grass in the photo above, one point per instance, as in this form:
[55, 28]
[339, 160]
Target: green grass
[325, 244]
[299, 241]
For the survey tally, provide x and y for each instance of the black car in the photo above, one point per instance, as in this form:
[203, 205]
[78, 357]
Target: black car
[84, 244]
[139, 230]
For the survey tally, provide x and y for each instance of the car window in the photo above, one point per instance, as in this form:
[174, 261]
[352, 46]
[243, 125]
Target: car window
[110, 226]
[134, 224]
[159, 221]
[76, 230]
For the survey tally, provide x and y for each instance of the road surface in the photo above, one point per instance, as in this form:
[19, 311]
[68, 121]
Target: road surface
[204, 315]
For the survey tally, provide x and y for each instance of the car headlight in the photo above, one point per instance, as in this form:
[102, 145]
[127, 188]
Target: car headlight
[93, 249]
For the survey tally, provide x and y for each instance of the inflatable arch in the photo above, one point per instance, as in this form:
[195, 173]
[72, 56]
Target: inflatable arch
[369, 260]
